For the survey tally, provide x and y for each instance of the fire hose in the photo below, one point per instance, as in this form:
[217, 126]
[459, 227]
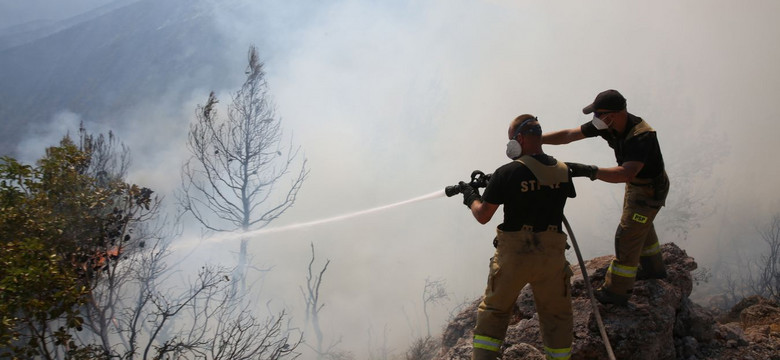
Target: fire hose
[480, 180]
[593, 301]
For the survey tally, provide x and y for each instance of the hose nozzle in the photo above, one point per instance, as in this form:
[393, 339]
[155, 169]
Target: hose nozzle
[452, 190]
[478, 180]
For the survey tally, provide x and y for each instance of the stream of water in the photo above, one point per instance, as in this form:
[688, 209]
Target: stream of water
[222, 237]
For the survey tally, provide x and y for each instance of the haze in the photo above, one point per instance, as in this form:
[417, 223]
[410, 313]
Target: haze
[393, 100]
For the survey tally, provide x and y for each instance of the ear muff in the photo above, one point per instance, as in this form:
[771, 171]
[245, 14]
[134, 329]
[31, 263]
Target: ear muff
[513, 149]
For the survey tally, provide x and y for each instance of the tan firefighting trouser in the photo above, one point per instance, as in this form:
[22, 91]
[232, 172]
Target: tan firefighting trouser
[524, 257]
[635, 239]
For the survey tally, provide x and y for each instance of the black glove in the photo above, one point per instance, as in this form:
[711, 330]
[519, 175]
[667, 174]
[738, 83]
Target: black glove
[578, 170]
[470, 194]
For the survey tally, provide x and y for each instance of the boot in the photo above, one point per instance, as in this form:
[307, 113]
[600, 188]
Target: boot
[605, 296]
[651, 267]
[482, 354]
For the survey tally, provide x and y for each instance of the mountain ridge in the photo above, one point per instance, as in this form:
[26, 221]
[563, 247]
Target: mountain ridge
[109, 64]
[19, 34]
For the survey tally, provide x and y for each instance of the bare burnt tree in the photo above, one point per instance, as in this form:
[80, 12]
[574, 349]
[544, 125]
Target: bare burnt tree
[424, 348]
[459, 307]
[434, 292]
[123, 285]
[216, 328]
[764, 278]
[686, 207]
[231, 183]
[117, 252]
[311, 296]
[110, 158]
[145, 317]
[134, 312]
[380, 351]
[729, 291]
[751, 271]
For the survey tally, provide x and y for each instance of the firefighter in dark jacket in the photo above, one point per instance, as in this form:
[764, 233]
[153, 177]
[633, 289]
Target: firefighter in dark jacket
[640, 166]
[530, 246]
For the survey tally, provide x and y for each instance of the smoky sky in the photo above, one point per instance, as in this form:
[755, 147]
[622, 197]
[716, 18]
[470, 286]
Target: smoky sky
[393, 100]
[15, 12]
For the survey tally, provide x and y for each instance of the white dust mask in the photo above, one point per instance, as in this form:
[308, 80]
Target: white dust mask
[598, 123]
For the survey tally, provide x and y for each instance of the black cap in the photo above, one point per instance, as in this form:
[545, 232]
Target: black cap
[609, 100]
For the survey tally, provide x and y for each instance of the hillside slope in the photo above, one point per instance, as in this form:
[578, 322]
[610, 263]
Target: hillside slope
[111, 62]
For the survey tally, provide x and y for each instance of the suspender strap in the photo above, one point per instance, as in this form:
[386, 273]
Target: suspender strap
[546, 174]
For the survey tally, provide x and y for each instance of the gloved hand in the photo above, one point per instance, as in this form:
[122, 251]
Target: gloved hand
[470, 194]
[578, 170]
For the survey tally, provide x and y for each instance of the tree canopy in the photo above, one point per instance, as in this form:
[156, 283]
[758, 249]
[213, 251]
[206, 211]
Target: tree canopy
[60, 227]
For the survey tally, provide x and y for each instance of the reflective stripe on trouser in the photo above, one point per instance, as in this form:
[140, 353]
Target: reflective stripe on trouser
[635, 235]
[652, 249]
[557, 354]
[487, 343]
[524, 257]
[651, 260]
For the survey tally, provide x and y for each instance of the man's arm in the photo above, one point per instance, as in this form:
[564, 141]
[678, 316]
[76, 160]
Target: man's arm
[483, 211]
[620, 174]
[561, 137]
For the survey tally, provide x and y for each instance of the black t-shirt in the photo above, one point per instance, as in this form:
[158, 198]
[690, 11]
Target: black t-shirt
[525, 201]
[643, 147]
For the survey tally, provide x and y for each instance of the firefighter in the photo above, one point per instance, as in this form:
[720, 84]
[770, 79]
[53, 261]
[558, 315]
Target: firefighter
[529, 243]
[640, 166]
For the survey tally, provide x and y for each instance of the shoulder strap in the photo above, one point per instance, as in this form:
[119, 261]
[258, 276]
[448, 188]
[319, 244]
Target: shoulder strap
[640, 128]
[546, 174]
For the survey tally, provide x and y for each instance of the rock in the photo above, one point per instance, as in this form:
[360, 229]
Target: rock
[735, 313]
[660, 322]
[461, 325]
[523, 351]
[760, 314]
[689, 347]
[694, 320]
[730, 332]
[757, 334]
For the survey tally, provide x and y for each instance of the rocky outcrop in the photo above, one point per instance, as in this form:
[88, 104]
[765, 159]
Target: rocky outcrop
[659, 323]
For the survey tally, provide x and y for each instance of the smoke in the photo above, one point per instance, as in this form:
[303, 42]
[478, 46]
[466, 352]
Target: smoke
[391, 99]
[19, 12]
[32, 145]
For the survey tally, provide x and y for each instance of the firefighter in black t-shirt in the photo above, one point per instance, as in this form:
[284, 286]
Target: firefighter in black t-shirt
[641, 167]
[530, 247]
